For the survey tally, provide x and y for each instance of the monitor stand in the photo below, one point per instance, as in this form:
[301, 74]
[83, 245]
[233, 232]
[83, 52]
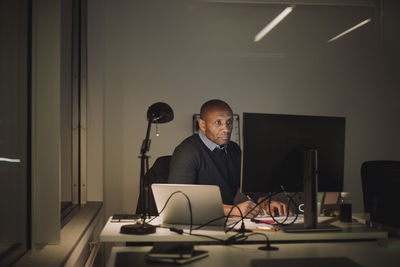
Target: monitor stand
[310, 181]
[301, 229]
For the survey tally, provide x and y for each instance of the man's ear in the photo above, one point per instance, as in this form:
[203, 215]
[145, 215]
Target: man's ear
[202, 125]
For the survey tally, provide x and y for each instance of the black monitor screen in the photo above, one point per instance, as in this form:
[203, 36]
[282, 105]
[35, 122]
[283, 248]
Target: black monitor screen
[273, 147]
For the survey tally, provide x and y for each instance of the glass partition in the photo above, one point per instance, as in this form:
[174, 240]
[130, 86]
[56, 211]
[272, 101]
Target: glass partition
[14, 130]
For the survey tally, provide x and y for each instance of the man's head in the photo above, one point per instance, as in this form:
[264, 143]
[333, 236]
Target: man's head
[216, 121]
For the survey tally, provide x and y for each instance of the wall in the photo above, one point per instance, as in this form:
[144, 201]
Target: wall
[95, 100]
[184, 53]
[46, 55]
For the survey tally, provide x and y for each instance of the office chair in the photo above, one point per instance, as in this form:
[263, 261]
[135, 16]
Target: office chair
[158, 173]
[381, 187]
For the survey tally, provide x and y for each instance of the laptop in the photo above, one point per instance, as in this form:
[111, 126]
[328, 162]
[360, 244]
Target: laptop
[205, 201]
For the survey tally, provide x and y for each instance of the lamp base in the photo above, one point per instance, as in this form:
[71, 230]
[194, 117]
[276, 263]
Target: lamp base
[268, 247]
[138, 229]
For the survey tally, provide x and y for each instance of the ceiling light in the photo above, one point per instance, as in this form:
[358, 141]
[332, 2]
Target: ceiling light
[10, 160]
[273, 23]
[349, 30]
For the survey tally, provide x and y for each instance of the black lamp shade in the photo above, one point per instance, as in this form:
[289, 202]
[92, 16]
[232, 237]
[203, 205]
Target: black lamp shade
[160, 113]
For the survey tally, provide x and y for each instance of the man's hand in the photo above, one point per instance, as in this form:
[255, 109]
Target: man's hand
[277, 208]
[245, 208]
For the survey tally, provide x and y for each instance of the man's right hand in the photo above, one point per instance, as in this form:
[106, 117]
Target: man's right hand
[245, 208]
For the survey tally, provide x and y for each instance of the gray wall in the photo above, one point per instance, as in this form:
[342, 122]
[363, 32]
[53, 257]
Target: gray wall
[46, 84]
[184, 53]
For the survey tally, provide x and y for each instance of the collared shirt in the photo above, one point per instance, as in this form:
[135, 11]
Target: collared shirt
[210, 144]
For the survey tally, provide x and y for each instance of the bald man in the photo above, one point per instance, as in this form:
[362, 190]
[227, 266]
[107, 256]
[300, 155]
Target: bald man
[211, 158]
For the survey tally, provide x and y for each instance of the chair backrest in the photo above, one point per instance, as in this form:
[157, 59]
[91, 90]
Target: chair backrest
[158, 173]
[381, 188]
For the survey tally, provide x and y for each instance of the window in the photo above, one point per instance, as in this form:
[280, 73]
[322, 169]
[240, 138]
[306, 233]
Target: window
[14, 130]
[73, 107]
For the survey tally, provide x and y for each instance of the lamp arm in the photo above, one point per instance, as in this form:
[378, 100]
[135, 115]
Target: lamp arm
[146, 142]
[144, 167]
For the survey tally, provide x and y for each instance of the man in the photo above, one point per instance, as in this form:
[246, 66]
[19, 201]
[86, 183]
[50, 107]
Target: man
[209, 157]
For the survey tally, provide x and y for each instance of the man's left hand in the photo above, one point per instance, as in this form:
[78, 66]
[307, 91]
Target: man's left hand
[274, 208]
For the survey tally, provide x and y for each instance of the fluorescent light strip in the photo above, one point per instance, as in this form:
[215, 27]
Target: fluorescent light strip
[10, 160]
[273, 23]
[349, 30]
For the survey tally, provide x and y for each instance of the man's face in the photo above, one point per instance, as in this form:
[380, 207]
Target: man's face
[217, 126]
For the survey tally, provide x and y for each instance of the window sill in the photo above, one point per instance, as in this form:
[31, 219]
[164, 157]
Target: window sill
[74, 236]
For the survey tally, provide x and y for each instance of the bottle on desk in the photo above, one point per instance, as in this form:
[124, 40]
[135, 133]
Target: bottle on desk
[345, 207]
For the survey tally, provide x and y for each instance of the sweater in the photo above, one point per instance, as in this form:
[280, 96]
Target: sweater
[194, 163]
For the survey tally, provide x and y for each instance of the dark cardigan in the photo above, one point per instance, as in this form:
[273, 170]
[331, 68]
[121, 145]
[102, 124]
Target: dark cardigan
[193, 163]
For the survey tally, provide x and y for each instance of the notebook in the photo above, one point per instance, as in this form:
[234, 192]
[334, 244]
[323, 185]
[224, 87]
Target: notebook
[205, 200]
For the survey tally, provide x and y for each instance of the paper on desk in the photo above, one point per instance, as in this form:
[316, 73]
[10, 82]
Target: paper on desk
[256, 226]
[280, 219]
[289, 219]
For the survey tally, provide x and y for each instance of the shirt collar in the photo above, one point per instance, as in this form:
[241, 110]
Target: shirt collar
[210, 144]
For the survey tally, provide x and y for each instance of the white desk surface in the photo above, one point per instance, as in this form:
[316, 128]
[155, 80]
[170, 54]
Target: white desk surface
[366, 253]
[350, 231]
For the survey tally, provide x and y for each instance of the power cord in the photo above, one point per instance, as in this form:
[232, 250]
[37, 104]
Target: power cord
[290, 201]
[267, 244]
[176, 230]
[236, 238]
[234, 224]
[190, 208]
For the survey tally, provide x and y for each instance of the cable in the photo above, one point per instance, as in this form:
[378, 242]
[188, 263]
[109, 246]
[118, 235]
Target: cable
[190, 208]
[234, 224]
[238, 237]
[268, 242]
[290, 201]
[243, 217]
[248, 212]
[191, 215]
[207, 223]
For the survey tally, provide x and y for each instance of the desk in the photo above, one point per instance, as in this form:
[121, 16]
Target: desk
[350, 231]
[366, 253]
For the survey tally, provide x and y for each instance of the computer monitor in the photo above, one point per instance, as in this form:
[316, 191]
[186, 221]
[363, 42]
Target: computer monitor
[273, 146]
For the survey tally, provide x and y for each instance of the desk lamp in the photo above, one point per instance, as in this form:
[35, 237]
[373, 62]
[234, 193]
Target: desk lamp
[157, 113]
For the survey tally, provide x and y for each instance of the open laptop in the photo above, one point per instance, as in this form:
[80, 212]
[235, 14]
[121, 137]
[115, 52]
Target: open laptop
[205, 200]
